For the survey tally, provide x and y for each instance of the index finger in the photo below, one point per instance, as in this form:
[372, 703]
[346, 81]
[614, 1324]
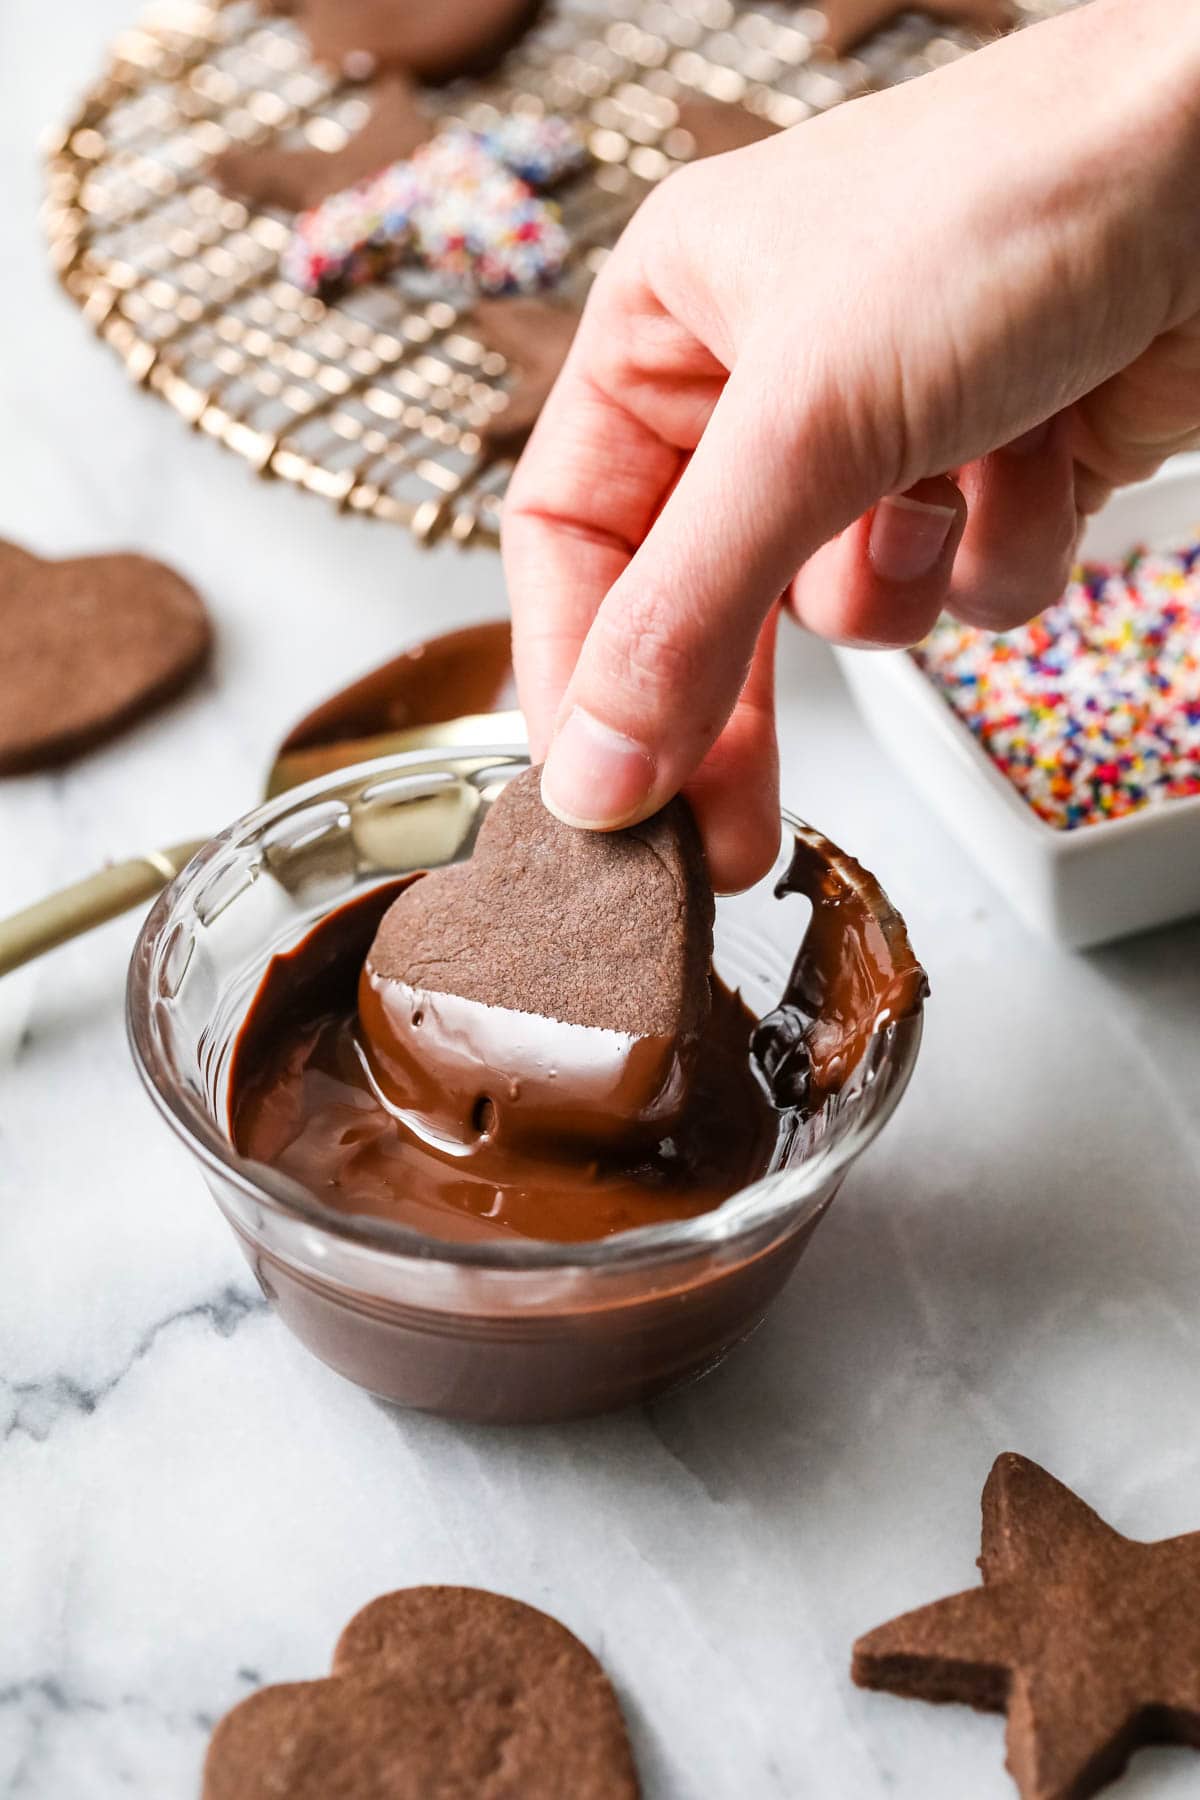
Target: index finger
[583, 496]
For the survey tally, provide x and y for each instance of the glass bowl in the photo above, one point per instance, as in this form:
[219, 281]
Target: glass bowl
[497, 1331]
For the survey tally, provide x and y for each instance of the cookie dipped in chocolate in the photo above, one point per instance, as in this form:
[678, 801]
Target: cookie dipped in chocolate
[548, 994]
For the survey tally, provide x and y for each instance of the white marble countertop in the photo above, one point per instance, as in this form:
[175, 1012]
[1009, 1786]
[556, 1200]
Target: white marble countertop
[190, 1506]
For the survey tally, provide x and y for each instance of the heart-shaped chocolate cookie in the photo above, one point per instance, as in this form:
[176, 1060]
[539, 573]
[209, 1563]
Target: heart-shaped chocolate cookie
[550, 992]
[89, 644]
[435, 1691]
[269, 174]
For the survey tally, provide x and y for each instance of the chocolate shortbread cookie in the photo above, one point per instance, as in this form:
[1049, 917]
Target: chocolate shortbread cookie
[848, 22]
[605, 929]
[269, 174]
[437, 1693]
[435, 40]
[1089, 1641]
[90, 644]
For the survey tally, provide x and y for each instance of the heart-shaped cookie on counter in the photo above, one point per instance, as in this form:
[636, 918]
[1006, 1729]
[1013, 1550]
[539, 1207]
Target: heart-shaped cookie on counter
[88, 645]
[434, 1690]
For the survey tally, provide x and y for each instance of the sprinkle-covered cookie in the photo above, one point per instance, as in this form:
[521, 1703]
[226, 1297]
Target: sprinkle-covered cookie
[1088, 1640]
[454, 204]
[90, 644]
[435, 1691]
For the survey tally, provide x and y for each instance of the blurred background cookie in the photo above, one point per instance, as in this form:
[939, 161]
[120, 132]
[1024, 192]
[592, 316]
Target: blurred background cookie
[90, 644]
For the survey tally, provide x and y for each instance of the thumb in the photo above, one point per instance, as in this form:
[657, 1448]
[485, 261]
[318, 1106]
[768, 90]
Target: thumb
[668, 652]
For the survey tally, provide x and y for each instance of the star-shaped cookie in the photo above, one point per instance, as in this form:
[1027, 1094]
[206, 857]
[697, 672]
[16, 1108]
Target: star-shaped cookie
[848, 22]
[1088, 1640]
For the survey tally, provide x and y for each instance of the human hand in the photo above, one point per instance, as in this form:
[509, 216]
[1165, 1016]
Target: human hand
[994, 271]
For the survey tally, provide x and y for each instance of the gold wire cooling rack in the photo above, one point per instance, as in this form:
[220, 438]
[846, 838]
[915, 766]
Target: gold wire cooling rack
[375, 401]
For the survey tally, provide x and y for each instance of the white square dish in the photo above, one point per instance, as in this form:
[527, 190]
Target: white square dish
[1086, 886]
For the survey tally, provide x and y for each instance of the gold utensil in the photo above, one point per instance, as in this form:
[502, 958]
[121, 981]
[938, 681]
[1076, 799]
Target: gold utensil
[76, 909]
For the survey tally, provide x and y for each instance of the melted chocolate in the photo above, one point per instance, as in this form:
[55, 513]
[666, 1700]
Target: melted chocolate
[303, 1099]
[496, 1082]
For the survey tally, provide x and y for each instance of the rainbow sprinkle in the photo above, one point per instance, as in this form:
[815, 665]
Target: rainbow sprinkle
[458, 204]
[1092, 710]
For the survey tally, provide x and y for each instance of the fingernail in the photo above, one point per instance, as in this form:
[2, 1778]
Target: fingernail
[594, 776]
[1030, 441]
[907, 537]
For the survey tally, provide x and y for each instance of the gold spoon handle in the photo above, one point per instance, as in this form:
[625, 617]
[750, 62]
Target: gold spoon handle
[75, 909]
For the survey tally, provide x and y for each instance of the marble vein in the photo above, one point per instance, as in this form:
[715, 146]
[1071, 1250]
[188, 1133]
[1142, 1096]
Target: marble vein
[34, 1408]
